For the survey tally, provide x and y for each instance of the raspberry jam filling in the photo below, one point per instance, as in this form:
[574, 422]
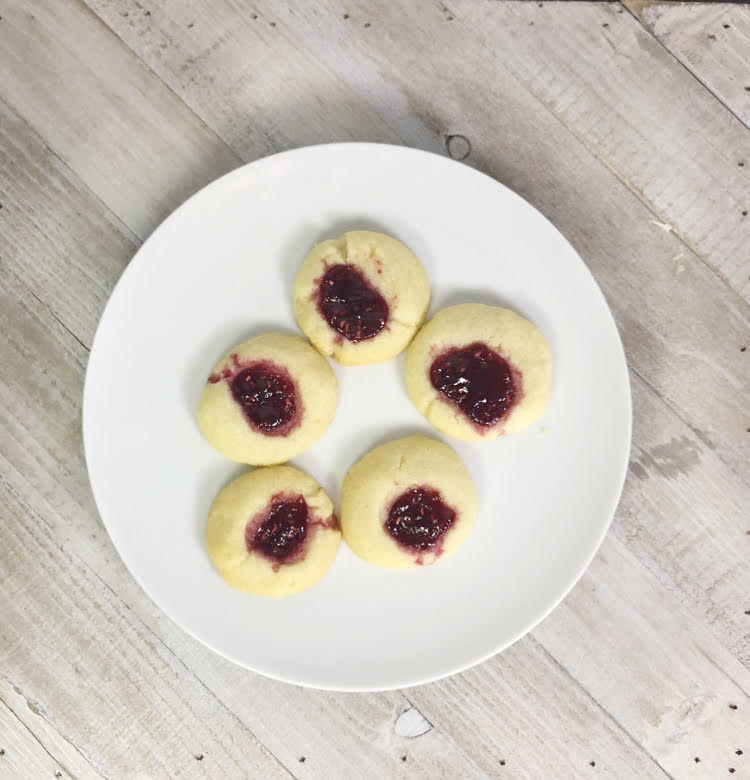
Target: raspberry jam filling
[350, 304]
[265, 392]
[477, 380]
[279, 535]
[419, 518]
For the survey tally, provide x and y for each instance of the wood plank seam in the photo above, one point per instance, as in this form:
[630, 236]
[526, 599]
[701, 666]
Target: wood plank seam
[641, 4]
[86, 9]
[597, 705]
[36, 739]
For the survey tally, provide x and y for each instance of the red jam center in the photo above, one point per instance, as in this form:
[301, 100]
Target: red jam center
[419, 518]
[350, 304]
[281, 535]
[267, 396]
[477, 380]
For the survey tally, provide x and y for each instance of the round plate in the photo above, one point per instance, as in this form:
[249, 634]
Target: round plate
[218, 271]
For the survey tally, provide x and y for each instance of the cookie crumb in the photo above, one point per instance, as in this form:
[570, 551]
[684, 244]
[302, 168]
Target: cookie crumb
[592, 763]
[732, 706]
[346, 16]
[2, 751]
[403, 758]
[697, 760]
[732, 770]
[302, 759]
[367, 24]
[743, 349]
[199, 757]
[725, 26]
[58, 773]
[738, 752]
[502, 762]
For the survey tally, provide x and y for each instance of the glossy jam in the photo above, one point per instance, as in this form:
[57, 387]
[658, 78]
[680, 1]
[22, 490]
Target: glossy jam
[477, 380]
[419, 518]
[281, 534]
[267, 396]
[350, 304]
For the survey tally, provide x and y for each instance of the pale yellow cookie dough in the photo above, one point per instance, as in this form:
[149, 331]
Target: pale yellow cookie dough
[225, 426]
[247, 501]
[512, 336]
[391, 268]
[386, 473]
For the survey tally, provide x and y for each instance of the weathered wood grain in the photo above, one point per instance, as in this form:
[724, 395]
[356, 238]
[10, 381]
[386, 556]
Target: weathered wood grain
[712, 40]
[678, 693]
[33, 747]
[103, 112]
[673, 144]
[22, 753]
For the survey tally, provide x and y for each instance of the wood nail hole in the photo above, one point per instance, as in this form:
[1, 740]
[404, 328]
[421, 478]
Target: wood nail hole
[458, 146]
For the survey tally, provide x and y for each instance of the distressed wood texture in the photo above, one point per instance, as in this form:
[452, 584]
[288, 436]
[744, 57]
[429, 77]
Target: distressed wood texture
[712, 40]
[626, 127]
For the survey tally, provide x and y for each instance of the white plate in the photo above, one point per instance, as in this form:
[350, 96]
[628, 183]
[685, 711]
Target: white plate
[220, 270]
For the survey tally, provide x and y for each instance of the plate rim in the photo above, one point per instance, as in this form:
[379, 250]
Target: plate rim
[536, 619]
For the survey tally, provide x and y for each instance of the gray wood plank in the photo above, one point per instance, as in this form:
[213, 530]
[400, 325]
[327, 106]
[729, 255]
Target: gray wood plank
[104, 113]
[634, 647]
[672, 143]
[23, 754]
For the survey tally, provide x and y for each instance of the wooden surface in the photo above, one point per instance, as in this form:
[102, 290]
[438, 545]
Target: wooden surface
[627, 125]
